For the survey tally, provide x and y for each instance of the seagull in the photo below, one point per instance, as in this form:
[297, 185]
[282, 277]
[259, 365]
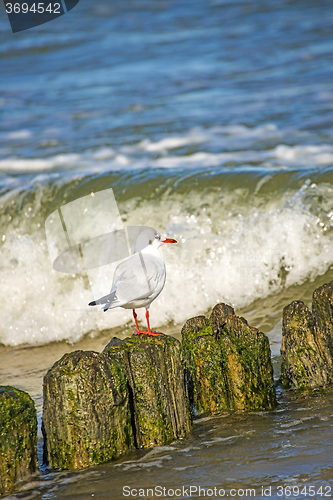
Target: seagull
[138, 280]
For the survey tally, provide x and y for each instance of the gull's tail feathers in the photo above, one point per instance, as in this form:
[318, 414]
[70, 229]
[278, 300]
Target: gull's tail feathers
[107, 300]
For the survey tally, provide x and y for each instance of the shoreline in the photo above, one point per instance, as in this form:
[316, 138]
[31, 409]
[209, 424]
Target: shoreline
[25, 366]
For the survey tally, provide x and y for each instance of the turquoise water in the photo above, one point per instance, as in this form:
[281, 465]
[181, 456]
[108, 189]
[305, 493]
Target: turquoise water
[211, 122]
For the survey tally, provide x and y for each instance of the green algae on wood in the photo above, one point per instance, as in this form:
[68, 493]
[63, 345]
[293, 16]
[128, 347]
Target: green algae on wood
[18, 437]
[86, 413]
[307, 342]
[155, 374]
[228, 364]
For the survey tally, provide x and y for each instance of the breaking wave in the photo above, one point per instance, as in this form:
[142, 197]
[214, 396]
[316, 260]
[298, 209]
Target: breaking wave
[249, 222]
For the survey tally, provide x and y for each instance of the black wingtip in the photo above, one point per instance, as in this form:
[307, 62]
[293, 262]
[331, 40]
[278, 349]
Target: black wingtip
[93, 303]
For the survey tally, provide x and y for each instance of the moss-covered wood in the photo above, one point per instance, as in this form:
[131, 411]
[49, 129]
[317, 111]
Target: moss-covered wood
[307, 341]
[135, 393]
[86, 415]
[228, 364]
[155, 374]
[18, 437]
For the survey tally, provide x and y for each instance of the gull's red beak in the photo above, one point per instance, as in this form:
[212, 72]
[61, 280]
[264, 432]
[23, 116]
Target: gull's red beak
[169, 240]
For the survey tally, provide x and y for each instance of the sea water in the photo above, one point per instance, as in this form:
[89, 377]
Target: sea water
[211, 122]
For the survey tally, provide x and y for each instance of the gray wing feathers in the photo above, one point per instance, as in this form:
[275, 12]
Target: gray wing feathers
[137, 278]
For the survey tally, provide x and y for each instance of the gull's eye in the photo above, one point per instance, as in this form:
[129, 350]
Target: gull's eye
[157, 237]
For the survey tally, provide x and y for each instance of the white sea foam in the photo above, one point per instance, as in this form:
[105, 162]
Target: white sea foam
[195, 136]
[18, 134]
[237, 258]
[36, 164]
[226, 252]
[212, 147]
[236, 244]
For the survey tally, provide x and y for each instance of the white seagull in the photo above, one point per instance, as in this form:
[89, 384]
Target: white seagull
[138, 280]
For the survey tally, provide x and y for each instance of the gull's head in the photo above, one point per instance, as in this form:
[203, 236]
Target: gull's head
[149, 238]
[158, 240]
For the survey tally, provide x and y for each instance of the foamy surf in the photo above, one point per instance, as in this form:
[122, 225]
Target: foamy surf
[224, 147]
[242, 237]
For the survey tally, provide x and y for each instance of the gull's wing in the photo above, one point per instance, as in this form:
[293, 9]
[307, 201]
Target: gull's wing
[138, 277]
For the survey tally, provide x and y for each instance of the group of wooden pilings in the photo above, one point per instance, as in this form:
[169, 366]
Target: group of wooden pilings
[145, 391]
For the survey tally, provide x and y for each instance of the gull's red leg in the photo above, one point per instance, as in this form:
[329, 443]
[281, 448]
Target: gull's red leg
[145, 332]
[149, 332]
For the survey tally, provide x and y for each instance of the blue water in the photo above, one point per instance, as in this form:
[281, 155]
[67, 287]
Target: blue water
[211, 121]
[116, 72]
